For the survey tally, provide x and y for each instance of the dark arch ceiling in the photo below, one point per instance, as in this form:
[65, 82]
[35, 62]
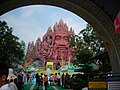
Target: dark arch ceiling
[110, 7]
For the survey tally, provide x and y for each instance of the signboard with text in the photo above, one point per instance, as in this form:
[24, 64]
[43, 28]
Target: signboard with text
[97, 82]
[101, 84]
[113, 82]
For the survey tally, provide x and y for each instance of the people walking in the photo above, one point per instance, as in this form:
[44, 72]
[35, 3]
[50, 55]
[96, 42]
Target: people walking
[55, 78]
[66, 80]
[37, 81]
[63, 80]
[20, 81]
[46, 81]
[27, 74]
[58, 77]
[31, 77]
[41, 79]
[51, 79]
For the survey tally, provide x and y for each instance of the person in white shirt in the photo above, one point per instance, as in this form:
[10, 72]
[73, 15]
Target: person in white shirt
[5, 87]
[11, 78]
[4, 76]
[12, 85]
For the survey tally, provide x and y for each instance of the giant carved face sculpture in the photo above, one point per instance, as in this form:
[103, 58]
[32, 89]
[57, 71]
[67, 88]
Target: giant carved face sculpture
[61, 40]
[61, 44]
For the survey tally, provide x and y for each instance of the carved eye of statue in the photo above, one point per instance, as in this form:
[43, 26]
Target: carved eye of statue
[57, 38]
[65, 38]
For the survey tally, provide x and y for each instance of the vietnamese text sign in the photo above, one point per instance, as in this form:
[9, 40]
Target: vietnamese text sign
[113, 82]
[114, 85]
[101, 84]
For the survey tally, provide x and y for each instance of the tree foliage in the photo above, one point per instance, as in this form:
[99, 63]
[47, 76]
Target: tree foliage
[91, 39]
[86, 44]
[11, 50]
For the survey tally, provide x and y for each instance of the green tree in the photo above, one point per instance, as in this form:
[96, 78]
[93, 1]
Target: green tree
[11, 50]
[86, 44]
[91, 39]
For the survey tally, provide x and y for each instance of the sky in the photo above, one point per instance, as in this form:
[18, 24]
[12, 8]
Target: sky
[31, 22]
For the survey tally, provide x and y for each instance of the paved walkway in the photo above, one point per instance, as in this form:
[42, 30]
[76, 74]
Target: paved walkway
[32, 86]
[54, 88]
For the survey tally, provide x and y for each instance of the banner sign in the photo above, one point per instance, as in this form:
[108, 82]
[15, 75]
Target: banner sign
[101, 84]
[117, 23]
[97, 82]
[113, 82]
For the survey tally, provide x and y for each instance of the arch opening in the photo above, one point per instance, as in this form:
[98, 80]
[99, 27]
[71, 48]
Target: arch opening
[89, 12]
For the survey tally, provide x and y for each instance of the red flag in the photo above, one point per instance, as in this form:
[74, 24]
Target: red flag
[117, 23]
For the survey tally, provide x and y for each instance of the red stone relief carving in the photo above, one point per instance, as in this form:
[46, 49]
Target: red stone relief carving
[53, 47]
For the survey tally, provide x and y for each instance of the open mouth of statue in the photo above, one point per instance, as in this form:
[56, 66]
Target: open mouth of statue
[61, 48]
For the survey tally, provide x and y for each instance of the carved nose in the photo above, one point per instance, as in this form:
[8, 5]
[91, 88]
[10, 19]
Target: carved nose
[62, 42]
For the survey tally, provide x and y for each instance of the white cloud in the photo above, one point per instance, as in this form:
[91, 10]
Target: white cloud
[76, 25]
[30, 22]
[73, 21]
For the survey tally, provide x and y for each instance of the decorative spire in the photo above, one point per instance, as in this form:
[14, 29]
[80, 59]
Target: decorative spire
[49, 31]
[38, 39]
[60, 27]
[61, 23]
[56, 27]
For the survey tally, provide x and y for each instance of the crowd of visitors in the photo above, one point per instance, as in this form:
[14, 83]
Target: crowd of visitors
[64, 81]
[9, 80]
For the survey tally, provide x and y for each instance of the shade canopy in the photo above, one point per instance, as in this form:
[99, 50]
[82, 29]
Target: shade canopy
[78, 69]
[66, 68]
[20, 67]
[92, 64]
[31, 69]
